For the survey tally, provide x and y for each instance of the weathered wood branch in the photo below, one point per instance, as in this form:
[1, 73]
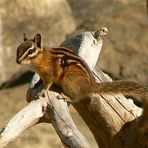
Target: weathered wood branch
[114, 120]
[47, 109]
[107, 117]
[69, 135]
[25, 118]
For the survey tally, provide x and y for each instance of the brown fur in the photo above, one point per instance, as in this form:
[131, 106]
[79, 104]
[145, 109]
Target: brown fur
[47, 70]
[75, 78]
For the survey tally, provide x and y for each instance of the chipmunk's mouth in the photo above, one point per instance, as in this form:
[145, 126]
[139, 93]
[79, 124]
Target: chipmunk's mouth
[23, 62]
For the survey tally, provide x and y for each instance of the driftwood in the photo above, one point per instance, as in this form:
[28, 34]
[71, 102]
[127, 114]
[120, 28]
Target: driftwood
[114, 120]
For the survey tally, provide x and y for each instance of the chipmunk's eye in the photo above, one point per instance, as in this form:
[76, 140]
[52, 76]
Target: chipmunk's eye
[30, 51]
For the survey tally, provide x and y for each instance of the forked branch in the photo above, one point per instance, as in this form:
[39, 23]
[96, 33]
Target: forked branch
[113, 120]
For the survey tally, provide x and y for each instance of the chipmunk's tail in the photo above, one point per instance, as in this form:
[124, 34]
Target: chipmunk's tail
[127, 88]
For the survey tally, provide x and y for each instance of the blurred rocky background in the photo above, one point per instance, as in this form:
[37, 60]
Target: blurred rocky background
[124, 54]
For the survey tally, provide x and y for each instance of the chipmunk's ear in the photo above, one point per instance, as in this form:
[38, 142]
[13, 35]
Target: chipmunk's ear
[37, 40]
[25, 37]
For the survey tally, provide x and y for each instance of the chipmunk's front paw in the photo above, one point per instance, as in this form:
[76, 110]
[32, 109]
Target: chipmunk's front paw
[40, 94]
[37, 96]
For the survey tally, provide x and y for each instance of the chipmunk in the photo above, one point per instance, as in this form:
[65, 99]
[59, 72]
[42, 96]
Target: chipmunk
[63, 68]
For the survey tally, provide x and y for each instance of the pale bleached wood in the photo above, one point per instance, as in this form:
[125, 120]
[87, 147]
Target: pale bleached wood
[25, 118]
[106, 117]
[48, 109]
[59, 117]
[64, 125]
[113, 120]
[69, 135]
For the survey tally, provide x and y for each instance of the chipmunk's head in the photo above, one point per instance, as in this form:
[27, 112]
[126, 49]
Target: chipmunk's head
[28, 50]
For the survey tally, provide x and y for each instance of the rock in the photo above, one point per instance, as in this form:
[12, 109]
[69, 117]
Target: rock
[124, 53]
[53, 19]
[125, 1]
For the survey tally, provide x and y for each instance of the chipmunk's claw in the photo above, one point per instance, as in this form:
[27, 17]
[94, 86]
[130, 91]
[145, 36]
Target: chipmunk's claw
[40, 94]
[37, 96]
